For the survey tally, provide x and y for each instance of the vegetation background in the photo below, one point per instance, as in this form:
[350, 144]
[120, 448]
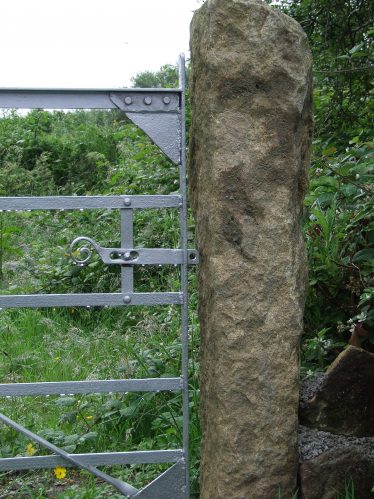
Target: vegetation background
[96, 152]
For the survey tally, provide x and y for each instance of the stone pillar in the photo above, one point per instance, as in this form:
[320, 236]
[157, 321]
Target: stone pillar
[249, 154]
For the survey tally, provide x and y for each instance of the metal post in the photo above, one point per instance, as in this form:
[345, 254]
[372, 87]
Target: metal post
[184, 270]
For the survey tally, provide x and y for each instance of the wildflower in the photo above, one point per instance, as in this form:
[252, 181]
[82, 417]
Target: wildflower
[89, 417]
[30, 449]
[60, 472]
[341, 327]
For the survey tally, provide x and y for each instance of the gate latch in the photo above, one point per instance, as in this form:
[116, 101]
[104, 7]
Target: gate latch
[130, 256]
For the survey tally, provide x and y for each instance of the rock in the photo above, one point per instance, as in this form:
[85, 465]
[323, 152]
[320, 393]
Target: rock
[249, 155]
[326, 476]
[344, 401]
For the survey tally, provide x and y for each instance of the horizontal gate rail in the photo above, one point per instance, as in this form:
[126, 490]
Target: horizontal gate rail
[135, 100]
[90, 300]
[90, 386]
[98, 459]
[88, 202]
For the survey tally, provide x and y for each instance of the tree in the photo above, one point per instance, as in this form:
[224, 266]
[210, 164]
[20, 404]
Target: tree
[166, 77]
[341, 38]
[338, 224]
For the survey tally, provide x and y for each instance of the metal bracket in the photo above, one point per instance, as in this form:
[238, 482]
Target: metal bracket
[158, 115]
[169, 485]
[130, 256]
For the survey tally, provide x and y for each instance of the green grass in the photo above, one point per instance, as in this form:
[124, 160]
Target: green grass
[56, 345]
[79, 344]
[73, 344]
[88, 153]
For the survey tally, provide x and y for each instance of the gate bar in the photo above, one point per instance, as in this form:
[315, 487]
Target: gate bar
[90, 300]
[90, 386]
[89, 202]
[81, 98]
[98, 459]
[127, 240]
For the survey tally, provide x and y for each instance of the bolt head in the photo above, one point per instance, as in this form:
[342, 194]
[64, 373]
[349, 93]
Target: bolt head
[166, 100]
[127, 201]
[127, 255]
[127, 299]
[128, 100]
[147, 100]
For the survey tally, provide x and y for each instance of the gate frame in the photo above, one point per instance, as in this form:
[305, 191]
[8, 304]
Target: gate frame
[161, 114]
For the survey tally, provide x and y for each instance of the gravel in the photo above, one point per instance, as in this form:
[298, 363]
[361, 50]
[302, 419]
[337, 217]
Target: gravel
[309, 386]
[312, 443]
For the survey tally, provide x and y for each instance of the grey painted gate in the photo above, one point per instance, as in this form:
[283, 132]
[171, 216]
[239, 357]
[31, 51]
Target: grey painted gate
[161, 114]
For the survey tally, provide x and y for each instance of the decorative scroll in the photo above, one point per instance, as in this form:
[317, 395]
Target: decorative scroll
[83, 254]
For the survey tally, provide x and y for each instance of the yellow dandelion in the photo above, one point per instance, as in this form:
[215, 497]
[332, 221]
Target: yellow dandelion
[30, 449]
[89, 417]
[60, 472]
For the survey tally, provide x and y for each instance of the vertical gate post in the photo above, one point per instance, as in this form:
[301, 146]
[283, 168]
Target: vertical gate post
[249, 153]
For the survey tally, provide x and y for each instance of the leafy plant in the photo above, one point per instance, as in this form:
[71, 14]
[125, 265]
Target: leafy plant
[339, 235]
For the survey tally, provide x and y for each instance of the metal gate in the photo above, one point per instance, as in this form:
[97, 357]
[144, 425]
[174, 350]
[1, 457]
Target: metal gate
[160, 113]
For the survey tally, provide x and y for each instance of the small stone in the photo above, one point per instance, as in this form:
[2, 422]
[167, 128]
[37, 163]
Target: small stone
[344, 402]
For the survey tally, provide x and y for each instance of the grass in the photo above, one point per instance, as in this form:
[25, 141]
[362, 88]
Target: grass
[71, 344]
[43, 485]
[80, 344]
[92, 153]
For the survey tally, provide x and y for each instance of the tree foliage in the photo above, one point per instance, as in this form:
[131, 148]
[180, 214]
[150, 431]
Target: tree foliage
[339, 224]
[166, 77]
[341, 34]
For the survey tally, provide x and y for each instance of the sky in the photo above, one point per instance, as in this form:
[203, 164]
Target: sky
[89, 43]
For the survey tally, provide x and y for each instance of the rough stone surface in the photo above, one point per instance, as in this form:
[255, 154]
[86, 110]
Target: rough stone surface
[326, 476]
[249, 154]
[344, 402]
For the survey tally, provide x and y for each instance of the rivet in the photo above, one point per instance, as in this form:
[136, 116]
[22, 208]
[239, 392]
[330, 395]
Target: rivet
[127, 299]
[127, 201]
[166, 100]
[128, 100]
[127, 255]
[147, 100]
